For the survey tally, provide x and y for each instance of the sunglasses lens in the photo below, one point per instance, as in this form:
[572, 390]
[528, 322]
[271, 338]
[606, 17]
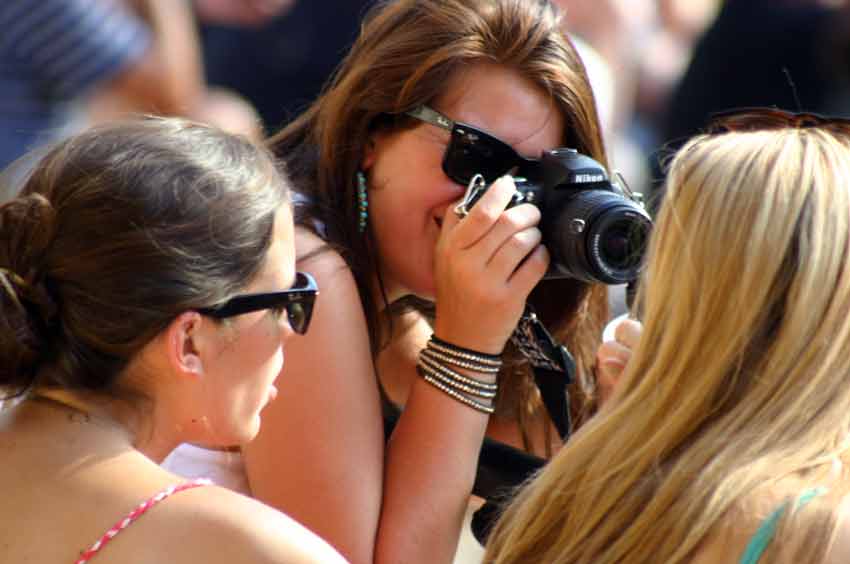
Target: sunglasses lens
[472, 152]
[297, 316]
[299, 312]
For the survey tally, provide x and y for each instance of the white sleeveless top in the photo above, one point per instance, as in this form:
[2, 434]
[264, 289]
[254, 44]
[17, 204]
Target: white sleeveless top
[224, 468]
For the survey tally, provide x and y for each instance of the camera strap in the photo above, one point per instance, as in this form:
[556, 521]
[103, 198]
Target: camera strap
[553, 366]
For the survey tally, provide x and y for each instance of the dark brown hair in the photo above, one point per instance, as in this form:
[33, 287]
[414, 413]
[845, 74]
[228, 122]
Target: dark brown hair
[117, 231]
[407, 51]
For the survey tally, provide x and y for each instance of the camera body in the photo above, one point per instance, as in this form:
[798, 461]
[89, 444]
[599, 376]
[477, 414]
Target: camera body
[594, 229]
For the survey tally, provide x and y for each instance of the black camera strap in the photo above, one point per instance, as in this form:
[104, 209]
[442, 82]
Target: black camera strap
[553, 366]
[502, 468]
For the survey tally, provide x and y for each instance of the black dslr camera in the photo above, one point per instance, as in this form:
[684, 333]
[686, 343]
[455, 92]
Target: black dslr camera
[594, 229]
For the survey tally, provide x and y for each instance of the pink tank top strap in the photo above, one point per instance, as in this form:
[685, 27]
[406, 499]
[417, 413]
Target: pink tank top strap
[136, 513]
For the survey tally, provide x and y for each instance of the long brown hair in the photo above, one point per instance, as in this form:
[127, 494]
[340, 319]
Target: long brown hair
[406, 53]
[117, 231]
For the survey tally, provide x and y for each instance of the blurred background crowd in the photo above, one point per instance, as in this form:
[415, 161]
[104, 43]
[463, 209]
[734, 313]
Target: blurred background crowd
[660, 68]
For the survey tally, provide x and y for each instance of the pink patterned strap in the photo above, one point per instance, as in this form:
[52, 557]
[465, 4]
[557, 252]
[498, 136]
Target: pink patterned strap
[136, 513]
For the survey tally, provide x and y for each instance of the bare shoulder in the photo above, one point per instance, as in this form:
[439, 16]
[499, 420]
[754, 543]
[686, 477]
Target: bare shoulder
[323, 261]
[315, 252]
[338, 306]
[216, 525]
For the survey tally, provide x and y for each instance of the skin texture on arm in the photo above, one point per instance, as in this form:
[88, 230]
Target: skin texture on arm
[319, 454]
[168, 78]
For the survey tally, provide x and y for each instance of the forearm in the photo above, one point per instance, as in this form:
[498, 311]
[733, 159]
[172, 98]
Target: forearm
[177, 53]
[430, 468]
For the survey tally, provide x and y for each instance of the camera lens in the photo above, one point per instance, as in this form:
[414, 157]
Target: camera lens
[623, 245]
[598, 236]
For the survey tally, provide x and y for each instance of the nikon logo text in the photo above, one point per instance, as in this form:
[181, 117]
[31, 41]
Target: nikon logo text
[587, 178]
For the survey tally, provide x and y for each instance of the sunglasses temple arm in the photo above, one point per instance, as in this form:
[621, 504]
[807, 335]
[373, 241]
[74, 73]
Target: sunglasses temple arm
[426, 114]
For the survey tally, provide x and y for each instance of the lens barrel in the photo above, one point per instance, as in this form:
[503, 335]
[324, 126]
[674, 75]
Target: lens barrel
[597, 236]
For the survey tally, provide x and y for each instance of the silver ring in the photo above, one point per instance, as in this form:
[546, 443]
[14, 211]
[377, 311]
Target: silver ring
[476, 185]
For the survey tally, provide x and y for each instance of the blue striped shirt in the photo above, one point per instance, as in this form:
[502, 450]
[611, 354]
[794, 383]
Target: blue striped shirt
[52, 52]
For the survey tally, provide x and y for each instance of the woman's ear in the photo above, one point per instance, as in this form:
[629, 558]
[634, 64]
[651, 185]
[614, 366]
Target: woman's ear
[370, 152]
[184, 340]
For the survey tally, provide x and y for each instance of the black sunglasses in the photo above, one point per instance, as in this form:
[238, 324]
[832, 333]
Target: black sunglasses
[297, 301]
[471, 151]
[760, 118]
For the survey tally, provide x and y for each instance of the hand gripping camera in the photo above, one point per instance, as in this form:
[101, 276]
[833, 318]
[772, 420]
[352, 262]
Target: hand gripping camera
[595, 230]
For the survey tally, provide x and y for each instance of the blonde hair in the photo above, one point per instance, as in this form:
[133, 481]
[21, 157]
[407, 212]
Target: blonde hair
[740, 377]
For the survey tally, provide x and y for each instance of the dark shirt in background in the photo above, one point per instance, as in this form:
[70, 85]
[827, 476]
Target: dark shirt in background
[788, 54]
[282, 66]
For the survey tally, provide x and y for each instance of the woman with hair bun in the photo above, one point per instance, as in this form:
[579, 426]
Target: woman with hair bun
[147, 283]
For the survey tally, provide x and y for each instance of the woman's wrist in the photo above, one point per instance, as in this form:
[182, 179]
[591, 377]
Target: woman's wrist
[470, 338]
[466, 375]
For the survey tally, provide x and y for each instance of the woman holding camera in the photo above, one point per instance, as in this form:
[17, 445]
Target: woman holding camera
[432, 93]
[727, 438]
[380, 185]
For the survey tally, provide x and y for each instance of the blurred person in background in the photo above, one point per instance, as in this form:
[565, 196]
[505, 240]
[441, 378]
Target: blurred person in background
[634, 51]
[248, 14]
[279, 63]
[66, 64]
[787, 54]
[644, 46]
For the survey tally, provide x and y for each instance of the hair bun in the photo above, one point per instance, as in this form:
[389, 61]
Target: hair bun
[27, 309]
[26, 315]
[30, 297]
[27, 228]
[11, 282]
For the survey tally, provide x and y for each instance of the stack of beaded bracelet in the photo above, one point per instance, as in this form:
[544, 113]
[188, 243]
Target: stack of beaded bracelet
[434, 362]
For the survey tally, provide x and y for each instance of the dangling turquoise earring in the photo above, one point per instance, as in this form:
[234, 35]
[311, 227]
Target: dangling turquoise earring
[362, 201]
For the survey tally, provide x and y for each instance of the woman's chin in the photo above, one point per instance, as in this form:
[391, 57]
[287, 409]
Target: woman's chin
[246, 434]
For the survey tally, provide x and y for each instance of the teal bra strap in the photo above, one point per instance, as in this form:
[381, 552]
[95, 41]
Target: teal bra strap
[764, 534]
